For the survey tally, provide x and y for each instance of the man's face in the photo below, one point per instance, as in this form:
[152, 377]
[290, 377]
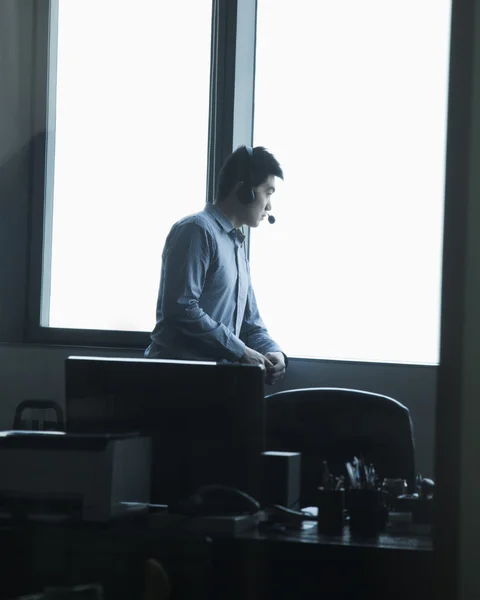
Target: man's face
[256, 212]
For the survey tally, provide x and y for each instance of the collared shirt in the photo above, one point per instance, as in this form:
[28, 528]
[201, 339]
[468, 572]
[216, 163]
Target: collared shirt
[206, 307]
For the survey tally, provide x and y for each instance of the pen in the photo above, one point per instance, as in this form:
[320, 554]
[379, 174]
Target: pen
[351, 475]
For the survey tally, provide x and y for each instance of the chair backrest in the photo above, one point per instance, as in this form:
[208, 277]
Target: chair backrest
[336, 424]
[39, 415]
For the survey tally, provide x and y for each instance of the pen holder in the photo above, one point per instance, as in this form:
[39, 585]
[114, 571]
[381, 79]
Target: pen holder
[331, 505]
[368, 513]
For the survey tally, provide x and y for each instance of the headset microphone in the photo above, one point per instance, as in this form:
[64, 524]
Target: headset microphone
[271, 219]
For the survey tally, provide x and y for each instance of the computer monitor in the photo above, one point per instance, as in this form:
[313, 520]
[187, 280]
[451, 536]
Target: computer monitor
[206, 420]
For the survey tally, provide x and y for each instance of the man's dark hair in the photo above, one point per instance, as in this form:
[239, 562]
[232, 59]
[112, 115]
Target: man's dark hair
[252, 170]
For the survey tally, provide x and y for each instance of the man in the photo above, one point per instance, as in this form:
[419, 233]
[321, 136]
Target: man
[206, 307]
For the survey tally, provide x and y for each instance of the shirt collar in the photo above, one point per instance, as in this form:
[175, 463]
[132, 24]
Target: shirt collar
[224, 222]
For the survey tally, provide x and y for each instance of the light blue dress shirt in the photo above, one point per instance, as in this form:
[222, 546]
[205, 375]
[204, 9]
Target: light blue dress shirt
[206, 307]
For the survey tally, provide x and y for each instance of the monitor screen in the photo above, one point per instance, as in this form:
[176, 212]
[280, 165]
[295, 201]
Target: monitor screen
[206, 420]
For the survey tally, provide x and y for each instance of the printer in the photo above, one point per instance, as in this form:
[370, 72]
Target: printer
[84, 477]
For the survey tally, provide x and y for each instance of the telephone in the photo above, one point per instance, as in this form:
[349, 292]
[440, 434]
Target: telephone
[218, 500]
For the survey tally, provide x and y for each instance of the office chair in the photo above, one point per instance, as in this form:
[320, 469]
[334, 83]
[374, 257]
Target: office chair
[336, 424]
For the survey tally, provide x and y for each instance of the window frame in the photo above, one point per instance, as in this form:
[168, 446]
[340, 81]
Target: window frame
[232, 72]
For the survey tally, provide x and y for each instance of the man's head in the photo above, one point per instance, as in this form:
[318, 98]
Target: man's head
[246, 183]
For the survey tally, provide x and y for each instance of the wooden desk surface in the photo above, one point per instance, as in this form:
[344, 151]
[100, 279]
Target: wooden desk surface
[306, 565]
[309, 535]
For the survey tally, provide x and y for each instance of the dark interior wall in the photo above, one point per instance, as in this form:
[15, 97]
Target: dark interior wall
[16, 129]
[35, 372]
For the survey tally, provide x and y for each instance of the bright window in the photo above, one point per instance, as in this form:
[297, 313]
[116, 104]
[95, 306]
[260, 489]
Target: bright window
[352, 99]
[130, 155]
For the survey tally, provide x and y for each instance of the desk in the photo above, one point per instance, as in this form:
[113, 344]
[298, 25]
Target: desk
[296, 564]
[307, 565]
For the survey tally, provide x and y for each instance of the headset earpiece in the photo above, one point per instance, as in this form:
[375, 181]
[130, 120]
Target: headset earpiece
[245, 194]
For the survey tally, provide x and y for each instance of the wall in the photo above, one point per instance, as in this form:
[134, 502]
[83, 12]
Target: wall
[468, 382]
[16, 41]
[33, 372]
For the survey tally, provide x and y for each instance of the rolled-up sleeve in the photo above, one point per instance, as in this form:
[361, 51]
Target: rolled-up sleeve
[186, 262]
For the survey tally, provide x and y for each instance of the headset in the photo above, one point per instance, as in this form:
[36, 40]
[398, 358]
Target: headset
[245, 193]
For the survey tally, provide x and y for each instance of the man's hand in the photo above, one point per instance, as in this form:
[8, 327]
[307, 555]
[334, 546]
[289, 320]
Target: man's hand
[252, 357]
[277, 371]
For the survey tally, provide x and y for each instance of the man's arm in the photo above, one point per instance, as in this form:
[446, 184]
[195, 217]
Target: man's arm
[186, 262]
[255, 334]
